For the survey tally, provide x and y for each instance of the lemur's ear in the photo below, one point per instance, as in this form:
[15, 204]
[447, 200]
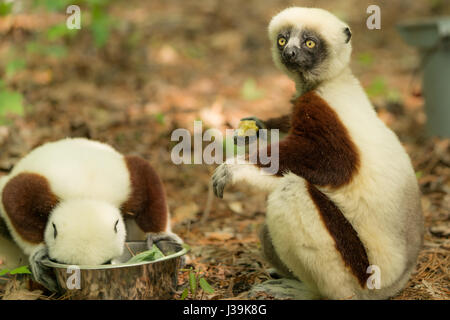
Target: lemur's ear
[348, 33]
[28, 201]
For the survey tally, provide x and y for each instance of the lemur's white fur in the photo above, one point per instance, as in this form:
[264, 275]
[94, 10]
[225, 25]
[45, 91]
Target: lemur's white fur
[78, 240]
[382, 201]
[91, 185]
[330, 28]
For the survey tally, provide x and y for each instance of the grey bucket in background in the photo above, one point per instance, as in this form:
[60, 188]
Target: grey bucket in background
[432, 38]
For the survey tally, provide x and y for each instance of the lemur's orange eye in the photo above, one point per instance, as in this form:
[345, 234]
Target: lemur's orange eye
[282, 41]
[310, 44]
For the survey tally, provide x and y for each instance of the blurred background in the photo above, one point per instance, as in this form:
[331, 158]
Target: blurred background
[137, 70]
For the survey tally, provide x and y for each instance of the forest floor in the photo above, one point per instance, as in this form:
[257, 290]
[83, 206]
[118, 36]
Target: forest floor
[159, 72]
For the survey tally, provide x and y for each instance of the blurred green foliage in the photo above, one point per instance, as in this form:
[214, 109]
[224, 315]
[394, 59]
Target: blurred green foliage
[53, 42]
[10, 103]
[160, 118]
[100, 23]
[14, 65]
[5, 8]
[365, 59]
[379, 88]
[250, 90]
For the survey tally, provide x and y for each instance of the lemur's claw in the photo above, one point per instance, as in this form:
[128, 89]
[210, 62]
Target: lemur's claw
[168, 243]
[42, 274]
[220, 179]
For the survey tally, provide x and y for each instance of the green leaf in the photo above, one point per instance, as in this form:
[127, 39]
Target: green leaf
[4, 271]
[150, 255]
[184, 294]
[250, 90]
[193, 282]
[206, 286]
[21, 270]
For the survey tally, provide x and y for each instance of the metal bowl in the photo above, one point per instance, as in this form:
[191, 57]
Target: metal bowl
[138, 281]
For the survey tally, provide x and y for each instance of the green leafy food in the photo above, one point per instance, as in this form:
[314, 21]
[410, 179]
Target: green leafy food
[19, 270]
[150, 255]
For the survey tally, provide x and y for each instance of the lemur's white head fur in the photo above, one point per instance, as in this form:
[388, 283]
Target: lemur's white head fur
[84, 232]
[310, 45]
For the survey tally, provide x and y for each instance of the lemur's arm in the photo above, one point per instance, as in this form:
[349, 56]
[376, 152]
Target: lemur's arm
[28, 200]
[147, 204]
[318, 148]
[282, 123]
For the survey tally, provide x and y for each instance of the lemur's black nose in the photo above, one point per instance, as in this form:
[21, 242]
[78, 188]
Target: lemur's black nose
[290, 54]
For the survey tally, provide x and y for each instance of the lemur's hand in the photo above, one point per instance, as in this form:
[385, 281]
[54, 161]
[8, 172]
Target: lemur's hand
[222, 175]
[245, 124]
[42, 274]
[167, 242]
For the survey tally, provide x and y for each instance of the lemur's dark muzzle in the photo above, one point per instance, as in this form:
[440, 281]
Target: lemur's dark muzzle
[290, 55]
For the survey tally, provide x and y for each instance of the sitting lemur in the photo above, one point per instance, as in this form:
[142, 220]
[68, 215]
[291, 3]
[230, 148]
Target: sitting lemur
[345, 200]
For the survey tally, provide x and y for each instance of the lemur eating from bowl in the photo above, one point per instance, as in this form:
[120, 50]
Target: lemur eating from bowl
[77, 201]
[345, 198]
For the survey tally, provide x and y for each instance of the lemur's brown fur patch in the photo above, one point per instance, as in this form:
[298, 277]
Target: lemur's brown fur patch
[345, 237]
[318, 146]
[28, 200]
[147, 202]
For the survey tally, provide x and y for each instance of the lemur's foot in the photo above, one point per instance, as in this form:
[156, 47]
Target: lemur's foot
[42, 274]
[168, 243]
[283, 289]
[220, 179]
[274, 274]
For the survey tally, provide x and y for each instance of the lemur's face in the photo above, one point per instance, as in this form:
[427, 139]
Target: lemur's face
[310, 45]
[301, 50]
[84, 232]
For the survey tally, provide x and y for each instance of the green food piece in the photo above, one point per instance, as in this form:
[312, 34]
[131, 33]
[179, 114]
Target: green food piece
[19, 270]
[150, 255]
